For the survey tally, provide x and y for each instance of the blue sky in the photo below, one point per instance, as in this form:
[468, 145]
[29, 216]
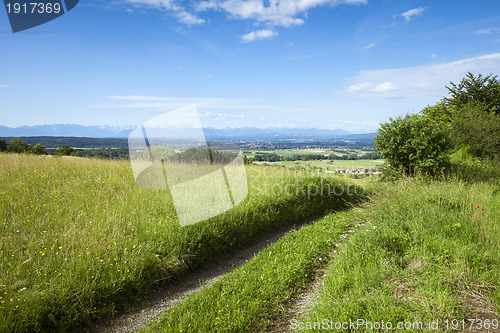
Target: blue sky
[293, 63]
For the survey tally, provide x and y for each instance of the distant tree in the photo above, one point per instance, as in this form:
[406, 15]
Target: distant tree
[473, 112]
[479, 89]
[414, 143]
[3, 145]
[372, 156]
[76, 154]
[247, 161]
[38, 149]
[64, 150]
[18, 146]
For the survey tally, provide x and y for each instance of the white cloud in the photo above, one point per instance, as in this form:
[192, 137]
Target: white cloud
[260, 34]
[369, 46]
[427, 82]
[484, 31]
[188, 18]
[349, 2]
[285, 13]
[3, 86]
[487, 31]
[409, 13]
[169, 103]
[383, 87]
[173, 7]
[369, 87]
[276, 12]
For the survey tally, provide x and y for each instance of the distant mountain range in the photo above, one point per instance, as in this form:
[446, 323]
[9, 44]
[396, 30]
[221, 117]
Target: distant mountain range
[243, 133]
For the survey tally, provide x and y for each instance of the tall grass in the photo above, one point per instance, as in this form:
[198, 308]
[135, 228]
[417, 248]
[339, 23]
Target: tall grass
[427, 247]
[78, 237]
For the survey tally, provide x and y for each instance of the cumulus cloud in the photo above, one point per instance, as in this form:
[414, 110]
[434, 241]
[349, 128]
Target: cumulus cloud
[188, 18]
[260, 34]
[273, 12]
[349, 2]
[412, 12]
[426, 82]
[172, 7]
[284, 13]
[369, 87]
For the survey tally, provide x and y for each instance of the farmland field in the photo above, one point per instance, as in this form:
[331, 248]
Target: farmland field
[305, 151]
[334, 165]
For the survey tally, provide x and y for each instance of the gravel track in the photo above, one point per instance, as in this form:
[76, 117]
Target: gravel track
[138, 315]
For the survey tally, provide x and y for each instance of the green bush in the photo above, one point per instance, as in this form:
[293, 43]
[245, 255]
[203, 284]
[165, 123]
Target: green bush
[478, 128]
[39, 149]
[64, 150]
[414, 143]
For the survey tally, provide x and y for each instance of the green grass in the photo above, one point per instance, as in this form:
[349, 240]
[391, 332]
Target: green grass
[78, 237]
[427, 249]
[249, 297]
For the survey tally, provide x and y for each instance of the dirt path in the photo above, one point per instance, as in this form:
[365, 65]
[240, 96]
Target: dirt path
[305, 300]
[139, 315]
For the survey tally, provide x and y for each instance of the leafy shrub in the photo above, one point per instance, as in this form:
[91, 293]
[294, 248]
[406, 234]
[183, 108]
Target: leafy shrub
[414, 143]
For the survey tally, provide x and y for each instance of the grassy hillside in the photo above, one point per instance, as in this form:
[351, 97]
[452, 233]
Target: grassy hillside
[78, 237]
[429, 251]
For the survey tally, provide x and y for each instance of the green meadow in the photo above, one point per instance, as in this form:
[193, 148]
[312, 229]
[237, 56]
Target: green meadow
[78, 237]
[419, 251]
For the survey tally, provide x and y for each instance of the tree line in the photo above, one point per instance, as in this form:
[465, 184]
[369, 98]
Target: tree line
[16, 145]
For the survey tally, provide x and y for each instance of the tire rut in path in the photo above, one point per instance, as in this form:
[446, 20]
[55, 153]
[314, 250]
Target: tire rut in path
[305, 300]
[136, 316]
